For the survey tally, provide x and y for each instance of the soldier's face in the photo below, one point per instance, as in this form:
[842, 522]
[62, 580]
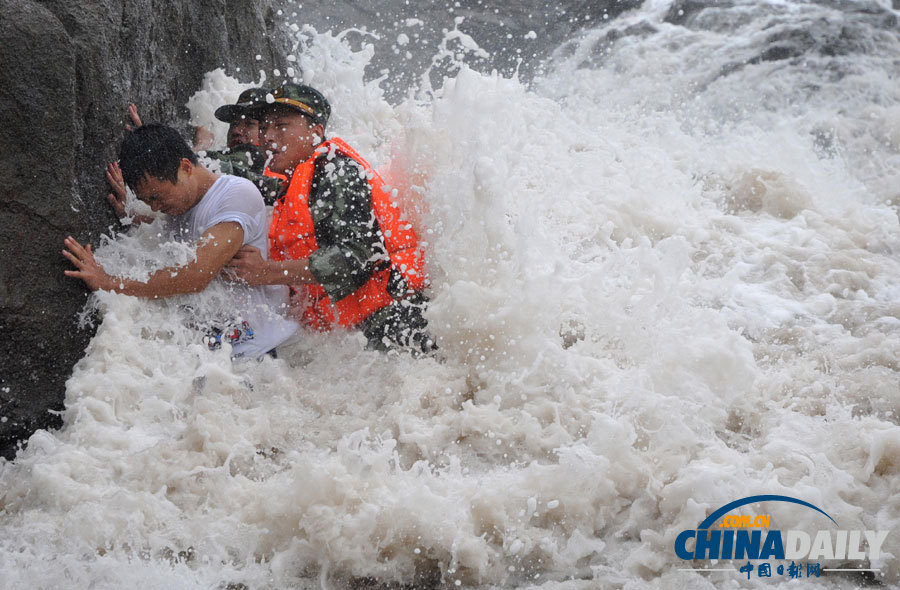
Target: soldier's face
[290, 137]
[243, 130]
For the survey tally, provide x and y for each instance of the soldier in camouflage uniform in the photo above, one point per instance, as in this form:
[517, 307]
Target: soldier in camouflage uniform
[243, 157]
[326, 241]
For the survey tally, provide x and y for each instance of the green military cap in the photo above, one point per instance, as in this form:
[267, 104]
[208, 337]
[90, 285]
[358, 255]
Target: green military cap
[303, 98]
[248, 99]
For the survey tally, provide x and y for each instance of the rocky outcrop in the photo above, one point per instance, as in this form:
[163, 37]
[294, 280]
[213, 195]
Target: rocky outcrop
[67, 72]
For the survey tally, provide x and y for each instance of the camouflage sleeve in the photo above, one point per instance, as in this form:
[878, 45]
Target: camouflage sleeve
[347, 233]
[244, 156]
[217, 161]
[246, 165]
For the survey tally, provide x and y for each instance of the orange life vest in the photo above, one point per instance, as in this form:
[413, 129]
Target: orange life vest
[270, 174]
[292, 236]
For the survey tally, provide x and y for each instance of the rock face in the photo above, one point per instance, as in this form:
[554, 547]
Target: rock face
[67, 72]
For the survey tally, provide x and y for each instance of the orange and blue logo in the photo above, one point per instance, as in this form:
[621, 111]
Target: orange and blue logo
[725, 535]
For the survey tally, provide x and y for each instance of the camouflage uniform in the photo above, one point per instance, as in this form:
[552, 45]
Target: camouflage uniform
[350, 250]
[247, 161]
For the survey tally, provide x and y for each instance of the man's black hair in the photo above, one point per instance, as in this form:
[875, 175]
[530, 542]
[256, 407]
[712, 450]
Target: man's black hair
[153, 149]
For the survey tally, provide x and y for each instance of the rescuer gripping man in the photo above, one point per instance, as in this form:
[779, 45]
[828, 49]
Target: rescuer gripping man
[336, 238]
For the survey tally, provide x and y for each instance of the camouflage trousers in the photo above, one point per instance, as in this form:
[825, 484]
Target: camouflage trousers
[400, 326]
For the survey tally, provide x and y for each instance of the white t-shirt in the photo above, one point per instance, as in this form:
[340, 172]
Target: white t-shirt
[250, 318]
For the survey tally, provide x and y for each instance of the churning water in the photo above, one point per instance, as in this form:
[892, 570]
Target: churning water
[665, 275]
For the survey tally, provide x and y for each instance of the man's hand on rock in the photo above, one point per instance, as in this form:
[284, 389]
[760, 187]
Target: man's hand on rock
[118, 197]
[134, 116]
[117, 183]
[88, 269]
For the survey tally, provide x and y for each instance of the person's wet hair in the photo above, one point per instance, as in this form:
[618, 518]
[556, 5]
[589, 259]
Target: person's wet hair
[155, 150]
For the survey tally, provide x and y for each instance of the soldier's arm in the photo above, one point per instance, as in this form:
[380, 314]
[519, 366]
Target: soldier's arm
[350, 246]
[249, 266]
[346, 232]
[203, 138]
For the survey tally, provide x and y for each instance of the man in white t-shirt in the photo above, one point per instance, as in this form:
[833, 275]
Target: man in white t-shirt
[220, 213]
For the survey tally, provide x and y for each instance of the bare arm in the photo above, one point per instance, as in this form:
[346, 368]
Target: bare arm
[203, 138]
[216, 247]
[249, 266]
